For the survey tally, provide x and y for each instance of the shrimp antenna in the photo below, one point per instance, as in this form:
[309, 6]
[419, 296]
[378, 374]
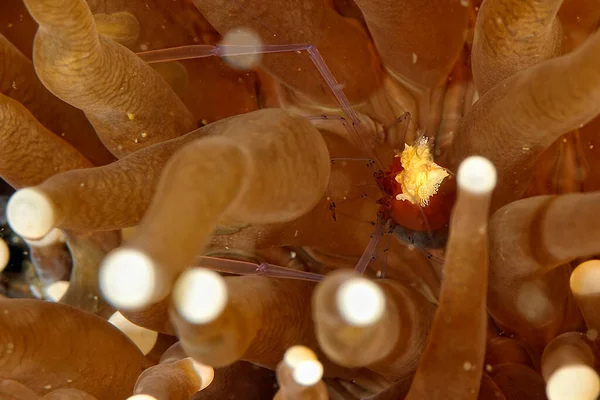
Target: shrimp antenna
[355, 129]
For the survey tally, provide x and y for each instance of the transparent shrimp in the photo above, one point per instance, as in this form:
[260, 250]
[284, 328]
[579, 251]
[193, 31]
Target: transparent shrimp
[248, 268]
[350, 120]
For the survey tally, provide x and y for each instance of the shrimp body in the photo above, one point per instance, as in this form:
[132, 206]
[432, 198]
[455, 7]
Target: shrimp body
[418, 193]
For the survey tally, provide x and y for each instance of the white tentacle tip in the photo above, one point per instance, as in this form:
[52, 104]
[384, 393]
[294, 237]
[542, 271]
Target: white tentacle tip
[4, 254]
[56, 290]
[128, 279]
[477, 175]
[200, 295]
[306, 369]
[308, 372]
[142, 397]
[585, 279]
[30, 213]
[205, 373]
[144, 339]
[297, 354]
[573, 382]
[360, 302]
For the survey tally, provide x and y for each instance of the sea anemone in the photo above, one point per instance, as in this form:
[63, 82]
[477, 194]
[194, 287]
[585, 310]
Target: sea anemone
[356, 200]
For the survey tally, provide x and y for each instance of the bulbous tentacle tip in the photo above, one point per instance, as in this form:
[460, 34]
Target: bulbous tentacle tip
[129, 279]
[297, 354]
[205, 373]
[299, 375]
[573, 382]
[305, 367]
[142, 397]
[56, 290]
[180, 378]
[144, 339]
[570, 349]
[360, 301]
[308, 373]
[585, 279]
[585, 286]
[360, 323]
[200, 295]
[4, 254]
[30, 213]
[476, 175]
